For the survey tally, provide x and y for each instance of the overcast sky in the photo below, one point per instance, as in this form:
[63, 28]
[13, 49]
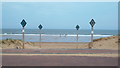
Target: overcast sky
[60, 15]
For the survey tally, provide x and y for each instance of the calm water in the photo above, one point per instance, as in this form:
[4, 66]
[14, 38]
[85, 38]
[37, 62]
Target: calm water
[56, 35]
[60, 31]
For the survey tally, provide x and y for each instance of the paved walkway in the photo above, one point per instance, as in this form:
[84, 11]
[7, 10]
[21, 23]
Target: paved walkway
[59, 57]
[15, 60]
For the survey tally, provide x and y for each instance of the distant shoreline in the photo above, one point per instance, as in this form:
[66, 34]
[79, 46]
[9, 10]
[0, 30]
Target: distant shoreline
[58, 34]
[52, 37]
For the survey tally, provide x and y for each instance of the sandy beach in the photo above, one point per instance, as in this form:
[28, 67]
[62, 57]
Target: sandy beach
[102, 43]
[59, 33]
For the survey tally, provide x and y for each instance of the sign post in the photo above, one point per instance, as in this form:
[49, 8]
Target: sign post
[92, 23]
[40, 27]
[77, 27]
[23, 23]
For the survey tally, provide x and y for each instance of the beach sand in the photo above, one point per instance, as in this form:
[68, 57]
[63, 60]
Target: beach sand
[102, 43]
[104, 52]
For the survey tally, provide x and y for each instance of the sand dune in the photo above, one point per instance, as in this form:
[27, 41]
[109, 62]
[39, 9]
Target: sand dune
[102, 43]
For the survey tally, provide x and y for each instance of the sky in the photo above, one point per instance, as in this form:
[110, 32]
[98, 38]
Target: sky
[60, 15]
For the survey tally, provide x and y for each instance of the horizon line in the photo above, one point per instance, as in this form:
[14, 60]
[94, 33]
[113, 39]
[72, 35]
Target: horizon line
[55, 28]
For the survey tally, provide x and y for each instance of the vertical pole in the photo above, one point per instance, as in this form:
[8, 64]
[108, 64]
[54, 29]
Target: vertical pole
[40, 38]
[92, 35]
[23, 36]
[92, 32]
[77, 35]
[77, 38]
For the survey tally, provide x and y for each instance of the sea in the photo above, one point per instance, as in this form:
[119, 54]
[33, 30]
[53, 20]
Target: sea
[55, 35]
